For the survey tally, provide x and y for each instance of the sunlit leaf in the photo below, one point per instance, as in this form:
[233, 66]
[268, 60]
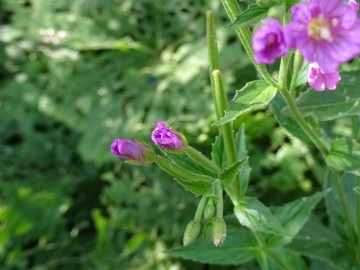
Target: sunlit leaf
[252, 96]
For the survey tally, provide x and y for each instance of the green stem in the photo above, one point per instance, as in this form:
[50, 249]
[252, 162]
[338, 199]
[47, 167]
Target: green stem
[213, 54]
[220, 102]
[272, 255]
[298, 61]
[201, 207]
[244, 34]
[227, 133]
[202, 160]
[302, 122]
[344, 204]
[179, 172]
[219, 201]
[284, 65]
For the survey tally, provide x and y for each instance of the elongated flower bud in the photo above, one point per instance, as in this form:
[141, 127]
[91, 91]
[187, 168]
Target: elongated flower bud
[209, 210]
[192, 232]
[219, 231]
[167, 138]
[135, 152]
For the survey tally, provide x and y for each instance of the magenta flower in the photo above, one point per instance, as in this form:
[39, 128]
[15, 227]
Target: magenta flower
[130, 150]
[166, 138]
[325, 31]
[354, 4]
[268, 42]
[320, 80]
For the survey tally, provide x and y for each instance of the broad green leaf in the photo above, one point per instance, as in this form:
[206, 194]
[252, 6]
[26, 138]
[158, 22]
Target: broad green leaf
[218, 154]
[293, 216]
[252, 15]
[242, 152]
[285, 257]
[330, 105]
[254, 215]
[319, 242]
[333, 203]
[196, 187]
[288, 122]
[344, 156]
[230, 173]
[238, 248]
[252, 96]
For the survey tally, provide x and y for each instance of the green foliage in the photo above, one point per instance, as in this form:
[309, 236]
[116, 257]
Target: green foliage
[254, 215]
[344, 156]
[252, 96]
[252, 15]
[330, 105]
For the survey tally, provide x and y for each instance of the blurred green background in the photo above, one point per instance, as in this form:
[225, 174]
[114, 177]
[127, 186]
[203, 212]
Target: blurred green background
[76, 74]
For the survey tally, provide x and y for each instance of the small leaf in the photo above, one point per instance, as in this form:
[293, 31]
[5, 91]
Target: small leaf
[218, 154]
[245, 169]
[293, 216]
[252, 96]
[252, 214]
[252, 15]
[230, 173]
[240, 247]
[344, 156]
[196, 187]
[330, 105]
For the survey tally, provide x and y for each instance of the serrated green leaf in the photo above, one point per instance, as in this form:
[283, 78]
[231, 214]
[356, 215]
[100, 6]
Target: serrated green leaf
[252, 96]
[229, 174]
[254, 215]
[293, 216]
[196, 187]
[319, 242]
[333, 203]
[245, 169]
[239, 247]
[252, 15]
[330, 105]
[344, 156]
[218, 154]
[288, 122]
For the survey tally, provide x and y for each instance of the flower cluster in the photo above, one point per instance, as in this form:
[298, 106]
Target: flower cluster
[326, 32]
[135, 151]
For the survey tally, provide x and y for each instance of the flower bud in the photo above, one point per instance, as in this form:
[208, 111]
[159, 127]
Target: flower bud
[319, 80]
[135, 152]
[192, 232]
[219, 231]
[167, 138]
[207, 231]
[209, 210]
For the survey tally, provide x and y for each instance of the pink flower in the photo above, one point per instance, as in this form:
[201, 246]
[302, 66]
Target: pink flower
[325, 31]
[167, 138]
[320, 80]
[268, 42]
[354, 4]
